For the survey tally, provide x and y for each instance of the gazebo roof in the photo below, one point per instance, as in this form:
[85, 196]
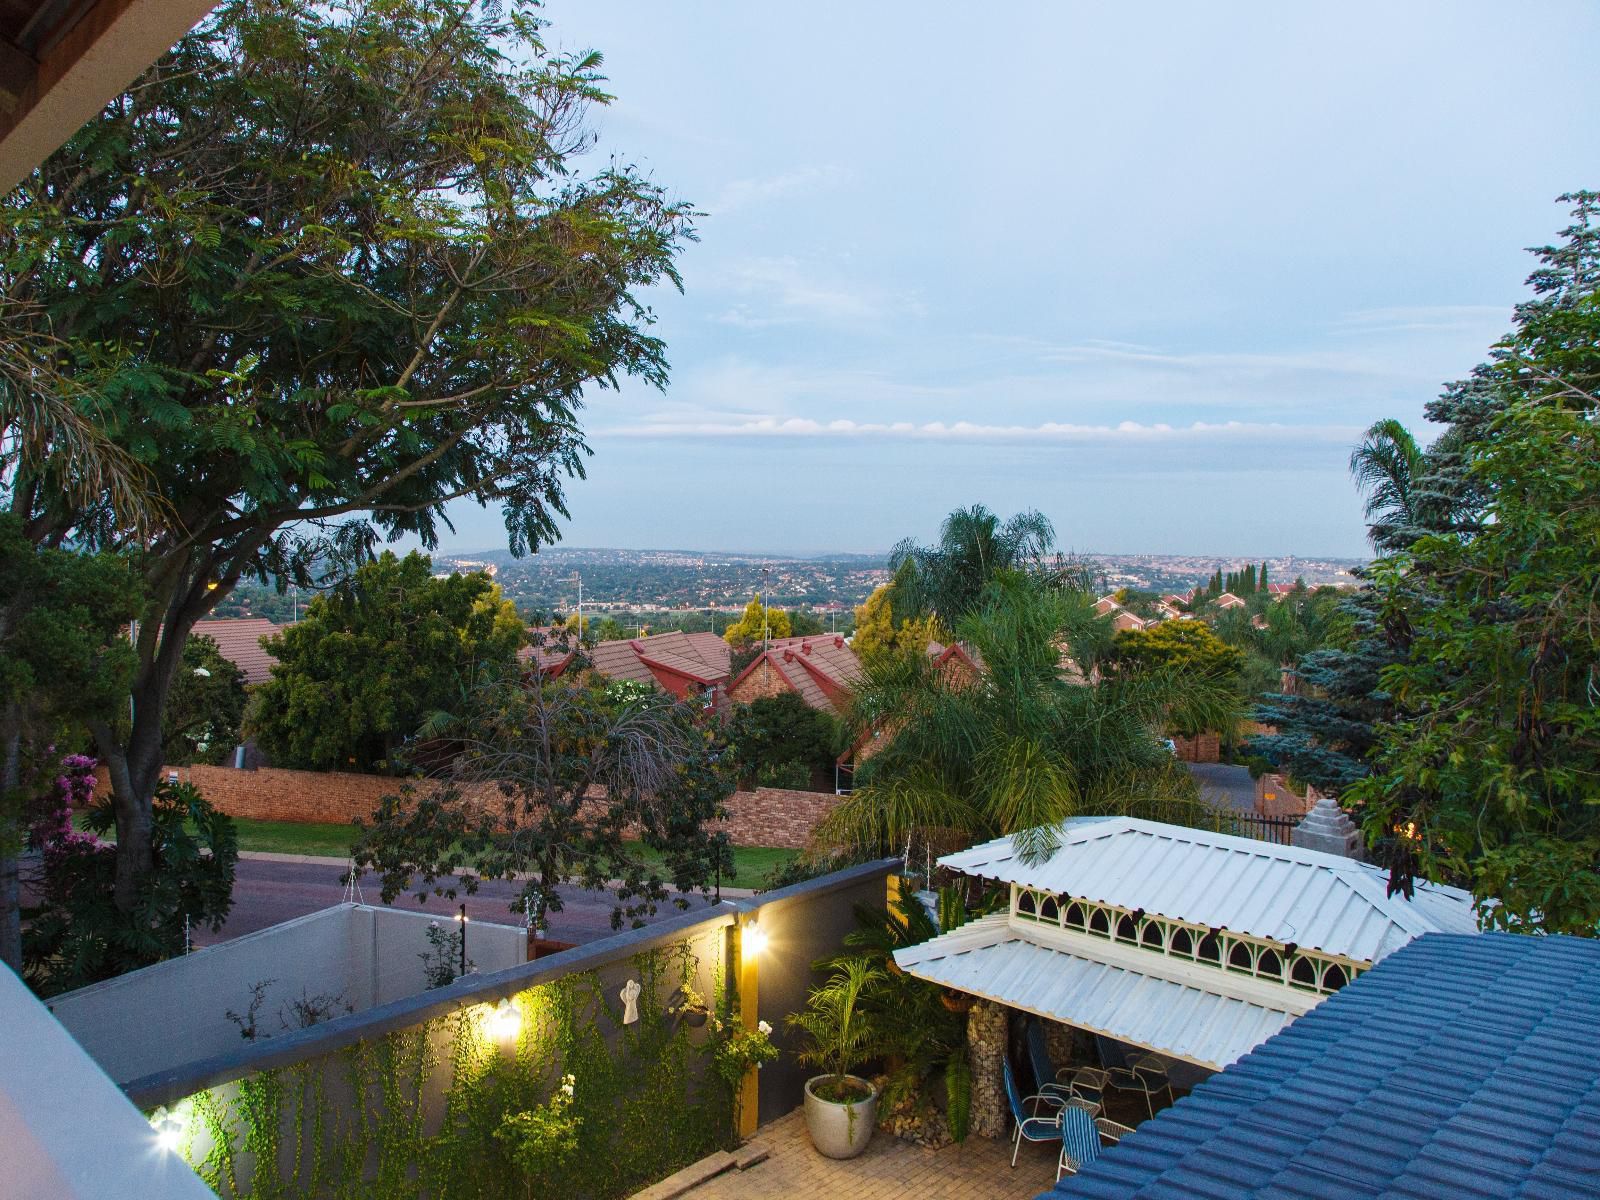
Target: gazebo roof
[1316, 901]
[1199, 1014]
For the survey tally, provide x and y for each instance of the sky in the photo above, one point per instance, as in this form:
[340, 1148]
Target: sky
[1150, 269]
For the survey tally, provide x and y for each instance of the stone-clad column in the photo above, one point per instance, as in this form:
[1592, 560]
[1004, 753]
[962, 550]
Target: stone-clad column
[987, 1033]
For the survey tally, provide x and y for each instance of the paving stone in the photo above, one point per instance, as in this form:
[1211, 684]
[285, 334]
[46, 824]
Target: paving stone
[979, 1169]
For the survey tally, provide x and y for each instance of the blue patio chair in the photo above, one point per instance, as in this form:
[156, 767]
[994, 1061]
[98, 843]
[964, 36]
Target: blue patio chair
[1080, 1140]
[1148, 1075]
[1085, 1087]
[1031, 1126]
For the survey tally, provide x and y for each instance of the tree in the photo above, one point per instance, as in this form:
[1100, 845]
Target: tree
[1490, 772]
[1386, 467]
[781, 741]
[1188, 646]
[878, 634]
[950, 579]
[321, 271]
[758, 624]
[63, 660]
[206, 707]
[374, 657]
[1025, 750]
[1328, 727]
[519, 803]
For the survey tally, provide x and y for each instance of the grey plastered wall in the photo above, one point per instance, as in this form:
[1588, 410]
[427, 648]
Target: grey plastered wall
[175, 1012]
[804, 923]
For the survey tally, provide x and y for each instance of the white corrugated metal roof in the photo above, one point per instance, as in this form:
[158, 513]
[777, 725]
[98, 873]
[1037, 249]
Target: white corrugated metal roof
[1198, 1014]
[1317, 901]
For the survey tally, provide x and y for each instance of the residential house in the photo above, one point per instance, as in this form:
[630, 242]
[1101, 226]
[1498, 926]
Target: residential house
[680, 664]
[1229, 600]
[239, 641]
[821, 669]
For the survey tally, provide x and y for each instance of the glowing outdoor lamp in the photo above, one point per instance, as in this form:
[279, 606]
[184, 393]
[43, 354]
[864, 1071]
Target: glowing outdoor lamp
[505, 1022]
[753, 939]
[169, 1126]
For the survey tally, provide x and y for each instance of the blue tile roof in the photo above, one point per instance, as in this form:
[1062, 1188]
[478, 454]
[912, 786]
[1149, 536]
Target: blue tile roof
[1459, 1068]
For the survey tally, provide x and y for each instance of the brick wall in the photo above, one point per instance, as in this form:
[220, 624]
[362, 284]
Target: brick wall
[765, 817]
[776, 817]
[762, 683]
[1206, 748]
[1276, 798]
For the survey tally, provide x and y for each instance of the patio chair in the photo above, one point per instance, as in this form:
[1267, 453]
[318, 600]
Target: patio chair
[1080, 1141]
[1089, 1083]
[1148, 1075]
[1112, 1131]
[1046, 1079]
[1030, 1126]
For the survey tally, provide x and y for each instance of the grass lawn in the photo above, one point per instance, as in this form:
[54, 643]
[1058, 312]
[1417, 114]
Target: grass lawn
[751, 863]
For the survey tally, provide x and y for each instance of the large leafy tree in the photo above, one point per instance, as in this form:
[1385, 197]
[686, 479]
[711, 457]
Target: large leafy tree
[1493, 771]
[322, 270]
[520, 802]
[374, 658]
[878, 632]
[63, 660]
[1024, 746]
[206, 707]
[781, 741]
[758, 623]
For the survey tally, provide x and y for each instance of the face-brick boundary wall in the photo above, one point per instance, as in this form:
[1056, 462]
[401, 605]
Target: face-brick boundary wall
[776, 817]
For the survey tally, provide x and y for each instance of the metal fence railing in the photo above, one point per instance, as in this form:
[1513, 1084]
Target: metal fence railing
[1277, 830]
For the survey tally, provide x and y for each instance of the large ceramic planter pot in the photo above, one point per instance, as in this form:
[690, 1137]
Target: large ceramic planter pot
[841, 1130]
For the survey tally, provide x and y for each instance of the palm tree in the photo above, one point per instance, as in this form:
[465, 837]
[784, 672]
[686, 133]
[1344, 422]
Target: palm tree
[1387, 467]
[1023, 747]
[948, 580]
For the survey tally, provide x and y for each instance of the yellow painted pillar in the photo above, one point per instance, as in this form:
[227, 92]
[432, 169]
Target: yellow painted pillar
[748, 952]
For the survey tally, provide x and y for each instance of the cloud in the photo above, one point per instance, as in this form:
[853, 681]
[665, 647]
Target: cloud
[747, 193]
[783, 290]
[1486, 320]
[977, 431]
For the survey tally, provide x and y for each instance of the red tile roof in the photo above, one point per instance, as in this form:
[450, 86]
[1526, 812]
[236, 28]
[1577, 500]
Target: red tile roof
[665, 660]
[821, 668]
[239, 641]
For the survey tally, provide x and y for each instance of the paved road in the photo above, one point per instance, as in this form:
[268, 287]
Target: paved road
[267, 891]
[1225, 785]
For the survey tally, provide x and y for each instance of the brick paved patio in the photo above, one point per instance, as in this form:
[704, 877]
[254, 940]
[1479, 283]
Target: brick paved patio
[891, 1169]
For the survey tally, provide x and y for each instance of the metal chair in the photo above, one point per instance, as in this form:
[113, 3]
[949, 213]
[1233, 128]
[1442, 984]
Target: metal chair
[1031, 1126]
[1148, 1075]
[1085, 1086]
[1080, 1140]
[1112, 1131]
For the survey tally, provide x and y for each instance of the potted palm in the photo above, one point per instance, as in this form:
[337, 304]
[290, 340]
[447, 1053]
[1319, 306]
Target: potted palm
[841, 1108]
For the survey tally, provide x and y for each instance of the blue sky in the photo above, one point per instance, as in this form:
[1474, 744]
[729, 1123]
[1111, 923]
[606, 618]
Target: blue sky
[1148, 268]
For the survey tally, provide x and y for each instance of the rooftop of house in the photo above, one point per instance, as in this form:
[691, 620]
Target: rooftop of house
[1316, 901]
[699, 657]
[1459, 1067]
[821, 668]
[239, 641]
[1229, 600]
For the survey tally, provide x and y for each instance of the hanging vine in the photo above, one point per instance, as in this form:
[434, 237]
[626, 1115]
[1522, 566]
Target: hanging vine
[446, 1110]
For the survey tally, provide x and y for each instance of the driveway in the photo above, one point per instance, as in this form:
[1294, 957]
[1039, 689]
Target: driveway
[1225, 786]
[270, 889]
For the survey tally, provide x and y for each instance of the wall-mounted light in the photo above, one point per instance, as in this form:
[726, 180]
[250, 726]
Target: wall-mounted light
[505, 1022]
[753, 940]
[169, 1125]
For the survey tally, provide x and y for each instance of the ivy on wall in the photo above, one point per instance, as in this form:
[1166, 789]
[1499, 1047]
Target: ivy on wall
[414, 1115]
